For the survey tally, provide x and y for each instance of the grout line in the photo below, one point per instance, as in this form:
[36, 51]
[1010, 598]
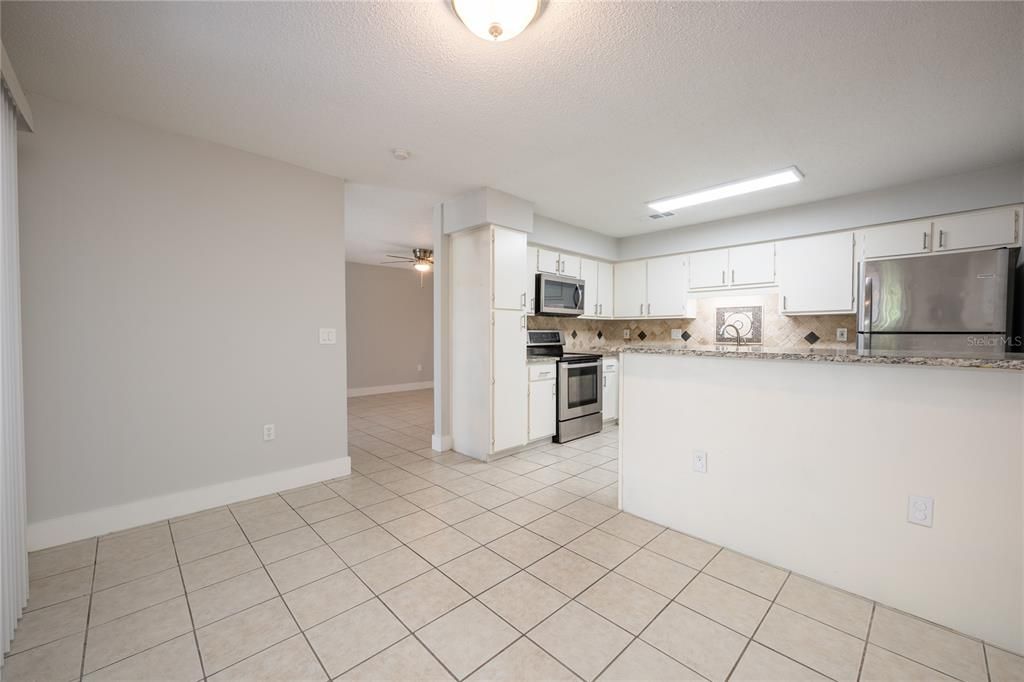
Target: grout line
[88, 611]
[867, 640]
[753, 634]
[283, 602]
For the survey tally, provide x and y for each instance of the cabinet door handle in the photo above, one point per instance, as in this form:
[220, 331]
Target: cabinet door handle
[924, 241]
[783, 302]
[553, 390]
[733, 276]
[600, 308]
[524, 300]
[648, 308]
[605, 382]
[723, 276]
[941, 238]
[641, 308]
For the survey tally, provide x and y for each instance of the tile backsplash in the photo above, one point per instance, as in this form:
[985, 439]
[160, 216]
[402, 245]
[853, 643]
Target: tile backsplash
[776, 330]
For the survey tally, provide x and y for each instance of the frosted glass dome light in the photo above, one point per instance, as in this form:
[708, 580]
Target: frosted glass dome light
[496, 20]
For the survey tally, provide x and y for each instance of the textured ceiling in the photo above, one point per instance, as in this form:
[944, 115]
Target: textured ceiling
[596, 108]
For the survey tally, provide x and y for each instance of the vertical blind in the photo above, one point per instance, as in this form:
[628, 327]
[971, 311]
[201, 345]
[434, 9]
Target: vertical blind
[13, 556]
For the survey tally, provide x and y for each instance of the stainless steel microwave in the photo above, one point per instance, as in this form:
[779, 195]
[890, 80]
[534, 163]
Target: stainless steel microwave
[558, 295]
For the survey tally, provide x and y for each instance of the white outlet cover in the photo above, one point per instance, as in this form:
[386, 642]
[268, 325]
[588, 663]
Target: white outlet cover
[625, 333]
[328, 336]
[700, 461]
[677, 334]
[269, 432]
[920, 510]
[841, 334]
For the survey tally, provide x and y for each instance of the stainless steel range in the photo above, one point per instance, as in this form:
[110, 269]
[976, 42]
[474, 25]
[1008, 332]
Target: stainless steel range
[579, 385]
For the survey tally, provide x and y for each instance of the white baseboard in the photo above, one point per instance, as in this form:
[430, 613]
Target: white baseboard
[73, 527]
[393, 388]
[440, 443]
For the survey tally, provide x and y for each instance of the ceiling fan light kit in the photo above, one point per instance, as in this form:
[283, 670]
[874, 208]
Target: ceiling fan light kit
[422, 259]
[496, 20]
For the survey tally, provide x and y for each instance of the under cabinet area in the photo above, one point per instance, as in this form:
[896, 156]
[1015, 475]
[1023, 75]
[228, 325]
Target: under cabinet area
[816, 274]
[542, 400]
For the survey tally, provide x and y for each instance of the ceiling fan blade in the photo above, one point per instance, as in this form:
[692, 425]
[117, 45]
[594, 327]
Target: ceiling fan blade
[392, 262]
[405, 258]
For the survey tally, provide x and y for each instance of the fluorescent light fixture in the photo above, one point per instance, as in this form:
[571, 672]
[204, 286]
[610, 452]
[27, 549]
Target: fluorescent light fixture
[729, 189]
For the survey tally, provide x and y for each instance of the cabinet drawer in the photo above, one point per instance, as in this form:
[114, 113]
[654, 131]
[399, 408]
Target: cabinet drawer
[542, 372]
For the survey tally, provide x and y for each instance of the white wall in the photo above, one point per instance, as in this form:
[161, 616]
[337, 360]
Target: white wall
[559, 235]
[389, 314]
[810, 466]
[981, 189]
[172, 294]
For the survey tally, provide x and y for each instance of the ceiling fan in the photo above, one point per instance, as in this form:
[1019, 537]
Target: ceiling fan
[422, 259]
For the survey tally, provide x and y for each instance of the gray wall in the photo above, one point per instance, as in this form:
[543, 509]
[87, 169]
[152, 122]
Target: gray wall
[390, 326]
[172, 292]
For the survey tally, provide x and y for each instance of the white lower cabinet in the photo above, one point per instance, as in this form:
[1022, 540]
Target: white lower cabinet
[509, 360]
[610, 390]
[542, 401]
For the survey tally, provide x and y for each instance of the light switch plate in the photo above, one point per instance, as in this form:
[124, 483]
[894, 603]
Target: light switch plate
[920, 510]
[625, 333]
[700, 461]
[269, 432]
[677, 334]
[328, 336]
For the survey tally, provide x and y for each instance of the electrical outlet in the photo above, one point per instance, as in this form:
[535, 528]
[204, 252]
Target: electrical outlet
[700, 461]
[328, 336]
[841, 334]
[419, 368]
[677, 334]
[920, 510]
[625, 333]
[269, 432]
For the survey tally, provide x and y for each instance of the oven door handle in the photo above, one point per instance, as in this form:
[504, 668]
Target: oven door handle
[575, 365]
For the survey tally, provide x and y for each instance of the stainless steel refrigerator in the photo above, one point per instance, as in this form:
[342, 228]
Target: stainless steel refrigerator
[958, 303]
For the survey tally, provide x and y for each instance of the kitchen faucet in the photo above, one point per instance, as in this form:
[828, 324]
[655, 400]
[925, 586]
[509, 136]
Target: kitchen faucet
[739, 337]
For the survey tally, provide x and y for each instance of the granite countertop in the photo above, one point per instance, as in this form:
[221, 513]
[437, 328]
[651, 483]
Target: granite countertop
[1009, 361]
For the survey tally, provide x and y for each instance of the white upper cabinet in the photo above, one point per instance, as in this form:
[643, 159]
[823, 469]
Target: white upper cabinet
[666, 286]
[708, 269]
[631, 289]
[588, 273]
[531, 279]
[569, 265]
[547, 261]
[994, 227]
[556, 263]
[901, 239]
[605, 289]
[816, 274]
[509, 257]
[752, 265]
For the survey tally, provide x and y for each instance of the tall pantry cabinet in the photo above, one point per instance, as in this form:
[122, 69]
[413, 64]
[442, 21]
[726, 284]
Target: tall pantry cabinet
[488, 332]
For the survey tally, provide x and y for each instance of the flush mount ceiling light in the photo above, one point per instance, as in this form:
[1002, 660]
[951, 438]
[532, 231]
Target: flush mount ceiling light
[496, 20]
[729, 189]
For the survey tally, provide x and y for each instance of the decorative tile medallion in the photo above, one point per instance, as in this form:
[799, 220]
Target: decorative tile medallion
[812, 338]
[742, 323]
[686, 335]
[641, 335]
[600, 334]
[574, 334]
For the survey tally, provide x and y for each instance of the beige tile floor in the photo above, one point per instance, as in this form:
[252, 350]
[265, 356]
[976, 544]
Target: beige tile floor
[431, 566]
